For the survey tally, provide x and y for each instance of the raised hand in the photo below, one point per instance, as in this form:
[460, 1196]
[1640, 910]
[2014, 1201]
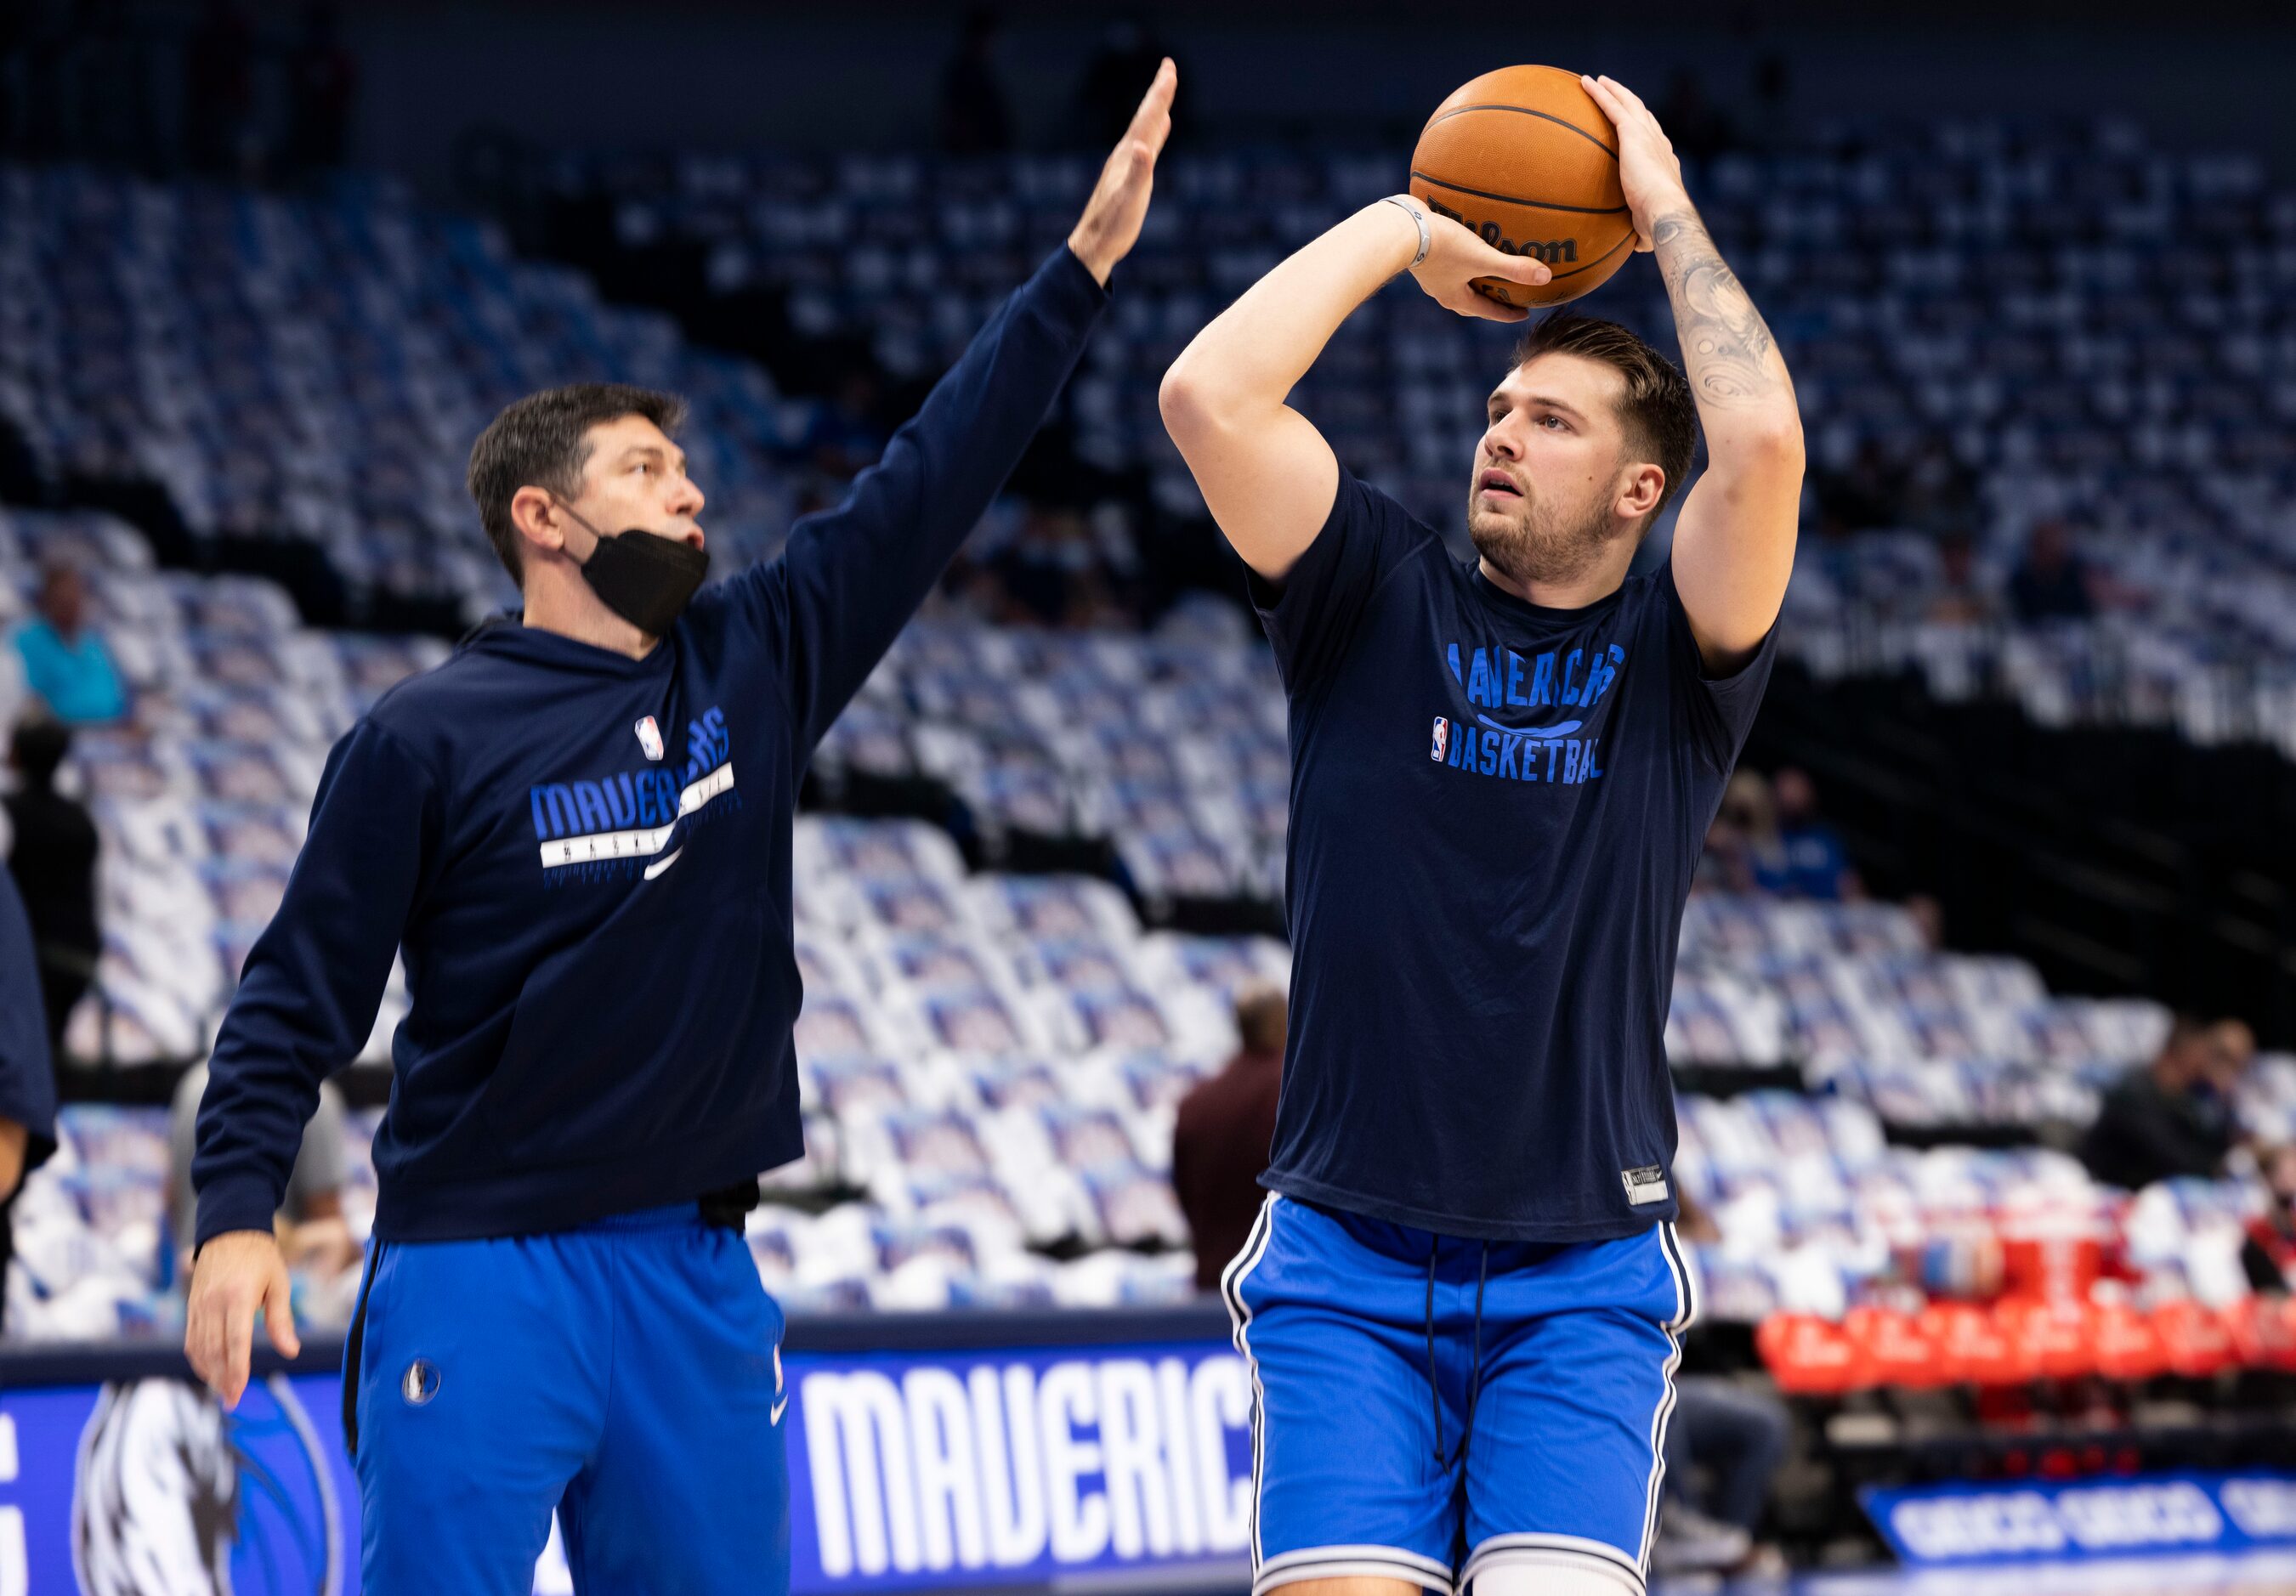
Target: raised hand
[1649, 170]
[1111, 223]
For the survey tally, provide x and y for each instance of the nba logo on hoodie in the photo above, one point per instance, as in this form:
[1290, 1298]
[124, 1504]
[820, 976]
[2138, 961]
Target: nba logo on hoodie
[649, 738]
[1443, 740]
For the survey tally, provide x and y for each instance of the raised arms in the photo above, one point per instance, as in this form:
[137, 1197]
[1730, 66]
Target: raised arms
[851, 576]
[1733, 545]
[1266, 473]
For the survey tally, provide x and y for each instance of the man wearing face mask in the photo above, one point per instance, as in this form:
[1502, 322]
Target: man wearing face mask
[577, 833]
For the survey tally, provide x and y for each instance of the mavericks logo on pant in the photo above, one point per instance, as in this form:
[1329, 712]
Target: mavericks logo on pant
[420, 1383]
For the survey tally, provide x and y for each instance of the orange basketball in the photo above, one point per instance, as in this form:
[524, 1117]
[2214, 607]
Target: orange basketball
[1527, 159]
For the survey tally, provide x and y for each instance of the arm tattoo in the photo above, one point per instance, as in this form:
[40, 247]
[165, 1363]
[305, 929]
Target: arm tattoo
[1733, 361]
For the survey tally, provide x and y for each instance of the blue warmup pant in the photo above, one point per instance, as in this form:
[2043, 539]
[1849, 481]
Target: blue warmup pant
[1428, 1408]
[627, 1374]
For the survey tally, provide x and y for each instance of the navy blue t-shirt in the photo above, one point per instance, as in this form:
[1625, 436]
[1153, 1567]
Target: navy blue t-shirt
[1496, 811]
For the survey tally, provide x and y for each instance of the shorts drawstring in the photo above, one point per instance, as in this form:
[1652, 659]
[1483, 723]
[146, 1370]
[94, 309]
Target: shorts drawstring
[1475, 1368]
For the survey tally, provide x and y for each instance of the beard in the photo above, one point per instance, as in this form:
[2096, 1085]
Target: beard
[1533, 540]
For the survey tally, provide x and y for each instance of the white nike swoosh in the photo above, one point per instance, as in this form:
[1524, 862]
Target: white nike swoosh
[778, 1406]
[659, 865]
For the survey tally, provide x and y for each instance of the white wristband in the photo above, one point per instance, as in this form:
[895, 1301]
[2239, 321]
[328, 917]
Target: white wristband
[1419, 219]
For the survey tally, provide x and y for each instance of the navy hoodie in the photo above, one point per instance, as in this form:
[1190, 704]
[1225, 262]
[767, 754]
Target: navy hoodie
[586, 860]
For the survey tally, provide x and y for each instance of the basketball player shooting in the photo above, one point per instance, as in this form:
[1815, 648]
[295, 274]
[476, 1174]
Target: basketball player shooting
[1463, 1298]
[579, 830]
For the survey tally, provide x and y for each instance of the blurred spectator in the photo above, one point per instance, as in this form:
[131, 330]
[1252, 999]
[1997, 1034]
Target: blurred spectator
[975, 119]
[1928, 916]
[2232, 1049]
[52, 853]
[1719, 865]
[27, 1082]
[218, 88]
[2270, 1253]
[2052, 582]
[1221, 1137]
[322, 86]
[1768, 836]
[313, 1236]
[1960, 599]
[1745, 822]
[1723, 1447]
[1117, 75]
[2172, 1116]
[1755, 860]
[65, 662]
[1817, 863]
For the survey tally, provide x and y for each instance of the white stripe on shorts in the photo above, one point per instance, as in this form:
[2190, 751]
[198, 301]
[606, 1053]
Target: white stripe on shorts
[1685, 1309]
[1232, 1279]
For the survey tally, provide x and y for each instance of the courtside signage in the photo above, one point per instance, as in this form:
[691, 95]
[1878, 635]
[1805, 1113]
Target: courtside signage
[995, 1469]
[2165, 1513]
[910, 1471]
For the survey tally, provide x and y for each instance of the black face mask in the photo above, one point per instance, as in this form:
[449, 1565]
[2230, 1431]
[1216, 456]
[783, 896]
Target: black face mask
[645, 579]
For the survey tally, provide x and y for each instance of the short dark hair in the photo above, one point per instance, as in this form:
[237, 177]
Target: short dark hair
[543, 441]
[1261, 1013]
[38, 747]
[1660, 417]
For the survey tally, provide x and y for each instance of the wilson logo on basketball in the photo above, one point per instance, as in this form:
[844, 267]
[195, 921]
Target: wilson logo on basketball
[1554, 251]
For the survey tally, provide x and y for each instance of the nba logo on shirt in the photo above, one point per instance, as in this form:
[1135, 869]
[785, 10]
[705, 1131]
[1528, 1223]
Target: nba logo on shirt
[649, 738]
[1443, 740]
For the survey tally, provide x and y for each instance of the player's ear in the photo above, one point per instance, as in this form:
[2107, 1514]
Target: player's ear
[1643, 488]
[535, 514]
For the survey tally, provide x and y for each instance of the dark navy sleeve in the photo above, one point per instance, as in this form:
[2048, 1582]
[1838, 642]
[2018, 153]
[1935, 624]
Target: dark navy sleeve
[850, 577]
[1311, 615]
[315, 976]
[1720, 709]
[28, 1077]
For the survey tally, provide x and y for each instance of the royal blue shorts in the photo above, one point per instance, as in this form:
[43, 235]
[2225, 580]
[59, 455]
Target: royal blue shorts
[1364, 1461]
[627, 1374]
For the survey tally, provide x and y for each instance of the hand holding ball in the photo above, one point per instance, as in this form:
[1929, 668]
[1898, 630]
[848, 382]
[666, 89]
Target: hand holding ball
[1524, 159]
